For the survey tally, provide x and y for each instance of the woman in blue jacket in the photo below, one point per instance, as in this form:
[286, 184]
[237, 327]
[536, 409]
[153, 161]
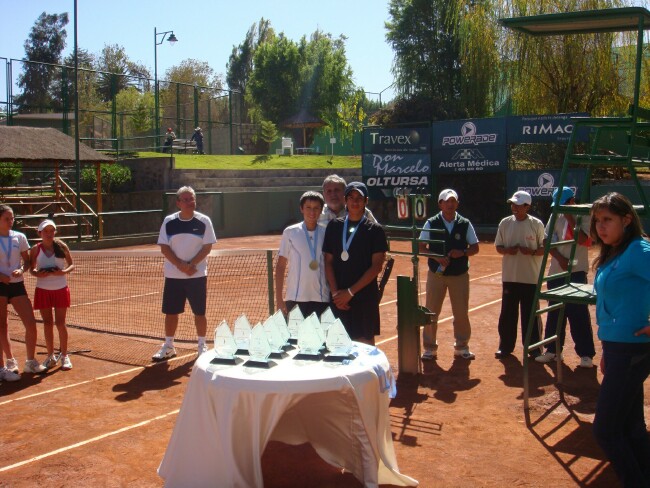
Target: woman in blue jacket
[622, 284]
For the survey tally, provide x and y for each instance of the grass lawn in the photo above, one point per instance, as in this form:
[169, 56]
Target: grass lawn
[266, 161]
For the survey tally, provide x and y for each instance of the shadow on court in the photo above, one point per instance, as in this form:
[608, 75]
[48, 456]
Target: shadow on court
[157, 377]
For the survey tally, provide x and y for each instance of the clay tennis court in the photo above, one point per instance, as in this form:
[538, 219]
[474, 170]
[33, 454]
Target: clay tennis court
[462, 423]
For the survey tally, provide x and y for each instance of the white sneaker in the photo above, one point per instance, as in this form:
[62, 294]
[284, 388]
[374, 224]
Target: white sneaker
[586, 362]
[202, 348]
[464, 353]
[8, 375]
[66, 364]
[32, 366]
[50, 362]
[12, 365]
[166, 352]
[547, 357]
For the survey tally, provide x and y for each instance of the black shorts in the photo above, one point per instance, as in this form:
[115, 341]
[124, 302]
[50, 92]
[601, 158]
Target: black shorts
[307, 308]
[176, 291]
[12, 290]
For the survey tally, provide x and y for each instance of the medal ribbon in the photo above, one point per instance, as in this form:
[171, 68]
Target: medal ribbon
[312, 245]
[346, 243]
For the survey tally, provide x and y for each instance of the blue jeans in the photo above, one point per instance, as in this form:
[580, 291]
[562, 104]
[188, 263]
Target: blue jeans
[619, 425]
[579, 321]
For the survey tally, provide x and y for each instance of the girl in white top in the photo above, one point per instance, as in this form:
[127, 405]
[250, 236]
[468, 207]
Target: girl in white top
[14, 260]
[50, 262]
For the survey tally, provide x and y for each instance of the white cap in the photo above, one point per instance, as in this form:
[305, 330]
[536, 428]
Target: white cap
[45, 223]
[521, 198]
[447, 194]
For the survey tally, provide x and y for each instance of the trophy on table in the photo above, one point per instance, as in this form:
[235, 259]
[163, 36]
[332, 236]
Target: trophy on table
[295, 319]
[327, 319]
[281, 324]
[242, 334]
[225, 345]
[259, 349]
[339, 343]
[274, 337]
[310, 340]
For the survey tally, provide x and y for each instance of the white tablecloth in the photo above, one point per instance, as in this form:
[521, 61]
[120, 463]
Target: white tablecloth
[230, 413]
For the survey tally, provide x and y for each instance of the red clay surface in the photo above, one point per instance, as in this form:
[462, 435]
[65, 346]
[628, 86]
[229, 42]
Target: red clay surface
[459, 424]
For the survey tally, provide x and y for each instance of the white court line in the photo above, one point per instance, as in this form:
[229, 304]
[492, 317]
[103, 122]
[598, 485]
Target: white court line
[88, 441]
[99, 378]
[424, 292]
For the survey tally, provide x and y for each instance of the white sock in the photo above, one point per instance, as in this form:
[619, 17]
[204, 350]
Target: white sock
[169, 340]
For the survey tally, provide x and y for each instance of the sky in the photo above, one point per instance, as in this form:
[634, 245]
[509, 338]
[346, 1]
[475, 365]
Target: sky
[208, 30]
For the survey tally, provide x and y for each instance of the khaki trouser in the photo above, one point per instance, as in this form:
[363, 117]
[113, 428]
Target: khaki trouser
[458, 286]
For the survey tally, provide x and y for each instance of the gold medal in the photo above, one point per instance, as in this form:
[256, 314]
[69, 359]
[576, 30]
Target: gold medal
[313, 265]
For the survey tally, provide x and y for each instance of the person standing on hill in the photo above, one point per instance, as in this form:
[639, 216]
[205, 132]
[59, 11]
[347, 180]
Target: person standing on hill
[198, 137]
[186, 238]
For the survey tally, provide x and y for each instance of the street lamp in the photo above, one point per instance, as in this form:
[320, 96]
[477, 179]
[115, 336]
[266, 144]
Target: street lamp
[172, 40]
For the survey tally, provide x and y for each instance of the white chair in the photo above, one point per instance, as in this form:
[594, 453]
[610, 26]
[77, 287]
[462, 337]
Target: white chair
[287, 143]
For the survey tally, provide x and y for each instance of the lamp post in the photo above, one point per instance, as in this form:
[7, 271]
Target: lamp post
[172, 40]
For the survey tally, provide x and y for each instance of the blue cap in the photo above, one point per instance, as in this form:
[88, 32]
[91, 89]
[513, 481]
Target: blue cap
[358, 186]
[567, 194]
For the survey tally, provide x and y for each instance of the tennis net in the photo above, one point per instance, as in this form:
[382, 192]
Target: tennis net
[119, 293]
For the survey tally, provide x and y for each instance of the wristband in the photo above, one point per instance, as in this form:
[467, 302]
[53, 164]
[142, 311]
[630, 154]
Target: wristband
[350, 292]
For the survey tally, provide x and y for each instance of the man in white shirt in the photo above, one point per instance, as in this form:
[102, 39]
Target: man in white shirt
[185, 239]
[520, 240]
[333, 192]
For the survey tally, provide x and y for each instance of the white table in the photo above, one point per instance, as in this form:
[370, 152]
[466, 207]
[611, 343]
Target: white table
[230, 413]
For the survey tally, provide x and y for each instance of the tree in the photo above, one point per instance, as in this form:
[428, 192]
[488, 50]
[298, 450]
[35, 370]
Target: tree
[62, 88]
[288, 77]
[136, 109]
[118, 72]
[569, 73]
[45, 44]
[240, 63]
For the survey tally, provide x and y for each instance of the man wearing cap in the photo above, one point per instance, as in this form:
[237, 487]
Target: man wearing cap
[520, 239]
[448, 272]
[354, 250]
[577, 314]
[198, 137]
[333, 193]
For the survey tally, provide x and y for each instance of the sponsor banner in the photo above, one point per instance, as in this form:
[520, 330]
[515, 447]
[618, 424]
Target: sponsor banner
[541, 183]
[396, 141]
[476, 133]
[542, 128]
[472, 160]
[384, 173]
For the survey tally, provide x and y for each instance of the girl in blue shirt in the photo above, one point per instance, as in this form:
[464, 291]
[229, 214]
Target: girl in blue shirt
[622, 284]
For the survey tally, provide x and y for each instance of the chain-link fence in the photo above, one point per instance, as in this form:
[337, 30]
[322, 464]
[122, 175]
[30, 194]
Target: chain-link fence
[118, 112]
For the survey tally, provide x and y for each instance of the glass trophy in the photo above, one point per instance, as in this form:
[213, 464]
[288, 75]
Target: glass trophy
[309, 340]
[274, 337]
[224, 345]
[338, 341]
[259, 348]
[242, 334]
[295, 319]
[327, 319]
[281, 324]
[321, 334]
